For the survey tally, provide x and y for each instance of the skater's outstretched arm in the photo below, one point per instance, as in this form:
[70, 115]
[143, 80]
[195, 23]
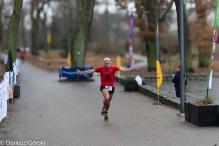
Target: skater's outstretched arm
[127, 69]
[85, 72]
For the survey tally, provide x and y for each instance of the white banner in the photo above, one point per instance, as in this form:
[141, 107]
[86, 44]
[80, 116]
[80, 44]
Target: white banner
[1, 100]
[4, 102]
[6, 84]
[13, 80]
[15, 68]
[10, 85]
[17, 64]
[6, 89]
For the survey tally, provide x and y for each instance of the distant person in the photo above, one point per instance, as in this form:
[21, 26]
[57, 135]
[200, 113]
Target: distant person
[22, 53]
[176, 81]
[107, 74]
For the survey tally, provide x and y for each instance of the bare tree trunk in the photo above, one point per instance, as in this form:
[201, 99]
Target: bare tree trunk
[1, 26]
[201, 18]
[146, 11]
[151, 55]
[79, 7]
[34, 30]
[187, 42]
[151, 43]
[83, 29]
[23, 30]
[64, 7]
[43, 36]
[35, 25]
[70, 15]
[203, 57]
[13, 32]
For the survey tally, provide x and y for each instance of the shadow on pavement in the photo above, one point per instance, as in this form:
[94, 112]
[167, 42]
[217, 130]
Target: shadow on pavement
[75, 80]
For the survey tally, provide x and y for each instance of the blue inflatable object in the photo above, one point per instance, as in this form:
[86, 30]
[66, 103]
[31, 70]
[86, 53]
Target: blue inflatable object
[71, 73]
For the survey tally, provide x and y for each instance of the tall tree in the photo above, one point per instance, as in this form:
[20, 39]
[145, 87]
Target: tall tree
[1, 25]
[15, 19]
[146, 11]
[36, 8]
[147, 32]
[23, 29]
[43, 36]
[69, 8]
[200, 34]
[78, 52]
[187, 41]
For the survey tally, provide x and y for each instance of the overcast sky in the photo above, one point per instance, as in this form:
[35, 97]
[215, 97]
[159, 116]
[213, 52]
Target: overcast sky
[112, 7]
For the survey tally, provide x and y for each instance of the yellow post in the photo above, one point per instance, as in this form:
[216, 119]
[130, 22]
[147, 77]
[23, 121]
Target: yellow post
[69, 59]
[49, 47]
[118, 60]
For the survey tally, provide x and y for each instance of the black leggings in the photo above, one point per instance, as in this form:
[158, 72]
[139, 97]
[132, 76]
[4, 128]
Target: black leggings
[110, 92]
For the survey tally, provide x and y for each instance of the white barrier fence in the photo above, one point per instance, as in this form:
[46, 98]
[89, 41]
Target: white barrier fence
[7, 88]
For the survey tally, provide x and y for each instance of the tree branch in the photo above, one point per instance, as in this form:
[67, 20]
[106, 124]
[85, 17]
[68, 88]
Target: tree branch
[41, 8]
[168, 9]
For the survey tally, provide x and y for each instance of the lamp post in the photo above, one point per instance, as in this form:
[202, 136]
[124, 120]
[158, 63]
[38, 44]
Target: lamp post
[182, 71]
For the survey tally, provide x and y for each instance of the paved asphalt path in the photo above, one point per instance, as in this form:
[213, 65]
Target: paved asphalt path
[68, 114]
[195, 90]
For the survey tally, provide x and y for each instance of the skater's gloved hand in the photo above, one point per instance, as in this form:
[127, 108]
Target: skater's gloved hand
[78, 72]
[135, 68]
